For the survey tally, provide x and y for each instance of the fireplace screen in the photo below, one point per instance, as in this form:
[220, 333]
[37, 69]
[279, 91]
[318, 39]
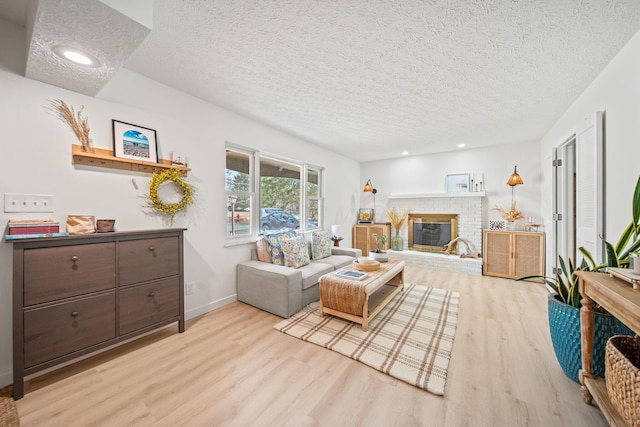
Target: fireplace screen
[431, 232]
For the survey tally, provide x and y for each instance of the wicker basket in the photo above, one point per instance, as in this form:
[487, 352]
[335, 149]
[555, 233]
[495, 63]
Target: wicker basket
[622, 375]
[366, 267]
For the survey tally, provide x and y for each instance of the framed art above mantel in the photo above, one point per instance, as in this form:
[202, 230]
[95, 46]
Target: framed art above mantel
[457, 183]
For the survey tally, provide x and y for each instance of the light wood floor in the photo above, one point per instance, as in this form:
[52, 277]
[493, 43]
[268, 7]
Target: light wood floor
[230, 368]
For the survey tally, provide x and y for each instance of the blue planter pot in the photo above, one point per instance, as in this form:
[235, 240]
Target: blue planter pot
[564, 325]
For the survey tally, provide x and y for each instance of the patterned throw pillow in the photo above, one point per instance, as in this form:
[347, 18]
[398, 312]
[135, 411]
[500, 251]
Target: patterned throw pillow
[295, 251]
[273, 244]
[320, 244]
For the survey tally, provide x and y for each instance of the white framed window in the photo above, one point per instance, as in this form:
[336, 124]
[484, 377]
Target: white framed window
[312, 200]
[266, 192]
[240, 192]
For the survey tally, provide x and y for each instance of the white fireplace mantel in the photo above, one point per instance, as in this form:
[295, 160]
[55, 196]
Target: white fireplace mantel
[435, 195]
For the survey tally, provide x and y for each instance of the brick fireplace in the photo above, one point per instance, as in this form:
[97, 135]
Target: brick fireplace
[467, 208]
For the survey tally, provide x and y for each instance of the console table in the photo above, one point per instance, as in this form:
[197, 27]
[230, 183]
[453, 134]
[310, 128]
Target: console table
[622, 301]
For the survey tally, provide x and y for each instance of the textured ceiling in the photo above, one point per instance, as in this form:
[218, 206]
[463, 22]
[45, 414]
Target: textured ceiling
[95, 28]
[369, 79]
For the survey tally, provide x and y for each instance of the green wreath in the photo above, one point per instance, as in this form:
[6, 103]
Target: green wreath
[171, 209]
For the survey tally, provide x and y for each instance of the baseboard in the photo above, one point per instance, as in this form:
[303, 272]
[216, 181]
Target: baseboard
[213, 305]
[6, 378]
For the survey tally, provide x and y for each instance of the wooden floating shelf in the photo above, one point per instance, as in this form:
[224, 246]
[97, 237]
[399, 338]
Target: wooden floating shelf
[105, 159]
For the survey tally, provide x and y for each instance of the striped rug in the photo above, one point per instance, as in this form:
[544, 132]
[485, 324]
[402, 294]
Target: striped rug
[410, 339]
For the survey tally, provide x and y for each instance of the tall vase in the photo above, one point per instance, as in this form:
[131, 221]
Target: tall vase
[397, 244]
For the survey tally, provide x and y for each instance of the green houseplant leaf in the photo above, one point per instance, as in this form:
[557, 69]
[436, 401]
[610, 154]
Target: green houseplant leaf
[636, 208]
[565, 284]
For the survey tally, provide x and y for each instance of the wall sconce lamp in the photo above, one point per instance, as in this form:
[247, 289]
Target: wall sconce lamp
[512, 214]
[514, 180]
[368, 188]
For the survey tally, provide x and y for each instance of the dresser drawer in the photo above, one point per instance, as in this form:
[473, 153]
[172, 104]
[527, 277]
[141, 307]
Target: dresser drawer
[54, 331]
[62, 272]
[145, 305]
[148, 259]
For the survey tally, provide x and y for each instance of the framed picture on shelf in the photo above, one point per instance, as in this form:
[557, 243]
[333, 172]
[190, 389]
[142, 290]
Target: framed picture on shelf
[134, 142]
[365, 216]
[457, 183]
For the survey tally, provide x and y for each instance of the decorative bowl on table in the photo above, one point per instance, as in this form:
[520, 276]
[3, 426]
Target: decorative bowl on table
[368, 265]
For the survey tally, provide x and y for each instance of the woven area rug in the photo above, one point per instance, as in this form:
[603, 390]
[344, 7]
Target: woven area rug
[8, 412]
[410, 339]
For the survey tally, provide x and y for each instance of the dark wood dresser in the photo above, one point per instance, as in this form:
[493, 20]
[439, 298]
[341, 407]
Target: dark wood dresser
[75, 295]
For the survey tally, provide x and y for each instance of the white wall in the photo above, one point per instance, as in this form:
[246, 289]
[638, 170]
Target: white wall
[36, 158]
[426, 174]
[617, 92]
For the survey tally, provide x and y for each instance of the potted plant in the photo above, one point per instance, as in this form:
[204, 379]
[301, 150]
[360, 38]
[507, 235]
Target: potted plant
[564, 303]
[378, 254]
[564, 321]
[397, 220]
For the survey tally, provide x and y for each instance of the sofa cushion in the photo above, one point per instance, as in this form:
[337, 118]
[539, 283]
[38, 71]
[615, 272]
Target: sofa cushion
[295, 252]
[337, 261]
[273, 243]
[320, 244]
[311, 273]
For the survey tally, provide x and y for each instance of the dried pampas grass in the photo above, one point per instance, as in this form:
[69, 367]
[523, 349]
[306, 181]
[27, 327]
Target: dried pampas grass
[397, 219]
[511, 215]
[77, 123]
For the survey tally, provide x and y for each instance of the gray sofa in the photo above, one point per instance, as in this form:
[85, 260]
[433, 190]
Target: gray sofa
[282, 290]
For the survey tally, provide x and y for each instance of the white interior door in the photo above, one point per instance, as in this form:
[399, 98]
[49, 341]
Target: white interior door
[590, 186]
[564, 198]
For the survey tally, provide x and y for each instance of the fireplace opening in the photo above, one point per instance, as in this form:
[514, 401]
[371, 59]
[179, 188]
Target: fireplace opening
[431, 232]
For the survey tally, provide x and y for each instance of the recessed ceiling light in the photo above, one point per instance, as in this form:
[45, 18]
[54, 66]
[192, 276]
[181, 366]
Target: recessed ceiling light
[462, 145]
[76, 56]
[405, 153]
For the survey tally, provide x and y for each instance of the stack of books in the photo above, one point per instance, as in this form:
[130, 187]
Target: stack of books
[33, 228]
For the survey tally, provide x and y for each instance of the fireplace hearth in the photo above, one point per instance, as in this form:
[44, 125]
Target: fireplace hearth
[431, 232]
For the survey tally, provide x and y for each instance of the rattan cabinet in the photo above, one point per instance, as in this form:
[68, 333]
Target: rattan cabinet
[363, 236]
[513, 254]
[75, 295]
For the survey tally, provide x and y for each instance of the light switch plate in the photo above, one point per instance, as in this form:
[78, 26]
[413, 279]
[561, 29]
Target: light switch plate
[28, 202]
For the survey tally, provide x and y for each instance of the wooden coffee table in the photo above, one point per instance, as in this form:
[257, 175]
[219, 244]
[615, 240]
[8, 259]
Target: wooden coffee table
[360, 300]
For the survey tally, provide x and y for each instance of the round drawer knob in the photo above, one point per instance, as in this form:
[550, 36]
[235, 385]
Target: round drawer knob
[74, 258]
[152, 294]
[74, 314]
[151, 248]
